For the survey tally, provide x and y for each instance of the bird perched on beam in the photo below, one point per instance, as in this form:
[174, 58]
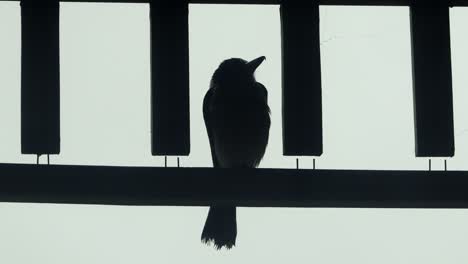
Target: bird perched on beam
[237, 119]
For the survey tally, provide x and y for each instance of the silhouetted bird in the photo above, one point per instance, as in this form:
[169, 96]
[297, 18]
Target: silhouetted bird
[237, 119]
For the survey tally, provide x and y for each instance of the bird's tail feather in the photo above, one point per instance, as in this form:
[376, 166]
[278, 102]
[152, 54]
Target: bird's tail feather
[220, 227]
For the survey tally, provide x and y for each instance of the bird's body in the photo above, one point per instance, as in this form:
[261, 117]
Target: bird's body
[237, 119]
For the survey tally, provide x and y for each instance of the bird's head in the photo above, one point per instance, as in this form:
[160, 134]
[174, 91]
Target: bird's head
[236, 71]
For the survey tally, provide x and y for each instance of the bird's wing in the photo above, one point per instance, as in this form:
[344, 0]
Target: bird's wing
[207, 115]
[263, 89]
[264, 92]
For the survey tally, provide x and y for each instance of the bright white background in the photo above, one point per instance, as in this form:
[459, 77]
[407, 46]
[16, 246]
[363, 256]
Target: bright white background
[368, 124]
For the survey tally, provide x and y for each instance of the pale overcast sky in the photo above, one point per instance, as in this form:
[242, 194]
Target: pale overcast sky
[368, 124]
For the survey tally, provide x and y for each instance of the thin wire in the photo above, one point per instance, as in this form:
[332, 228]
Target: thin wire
[48, 159]
[314, 164]
[178, 164]
[165, 161]
[445, 165]
[297, 163]
[429, 164]
[37, 158]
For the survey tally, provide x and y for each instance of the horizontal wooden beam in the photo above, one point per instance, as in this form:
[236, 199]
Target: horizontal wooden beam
[241, 187]
[277, 2]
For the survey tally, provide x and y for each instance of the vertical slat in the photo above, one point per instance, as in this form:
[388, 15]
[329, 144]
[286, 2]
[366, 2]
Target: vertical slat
[170, 120]
[432, 78]
[40, 77]
[301, 88]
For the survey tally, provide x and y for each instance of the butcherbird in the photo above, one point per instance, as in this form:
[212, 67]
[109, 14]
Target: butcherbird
[237, 119]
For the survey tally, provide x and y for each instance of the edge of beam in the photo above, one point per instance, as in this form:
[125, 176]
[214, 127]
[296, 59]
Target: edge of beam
[276, 2]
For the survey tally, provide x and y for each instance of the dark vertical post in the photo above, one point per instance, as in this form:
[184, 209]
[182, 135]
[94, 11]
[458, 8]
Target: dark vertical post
[301, 88]
[170, 120]
[432, 78]
[40, 77]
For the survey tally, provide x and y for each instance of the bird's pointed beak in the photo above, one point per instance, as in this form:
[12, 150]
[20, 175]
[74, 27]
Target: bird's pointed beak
[253, 65]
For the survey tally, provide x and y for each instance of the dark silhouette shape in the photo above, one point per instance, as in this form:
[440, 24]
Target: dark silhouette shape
[301, 96]
[40, 77]
[170, 110]
[303, 188]
[432, 78]
[237, 119]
